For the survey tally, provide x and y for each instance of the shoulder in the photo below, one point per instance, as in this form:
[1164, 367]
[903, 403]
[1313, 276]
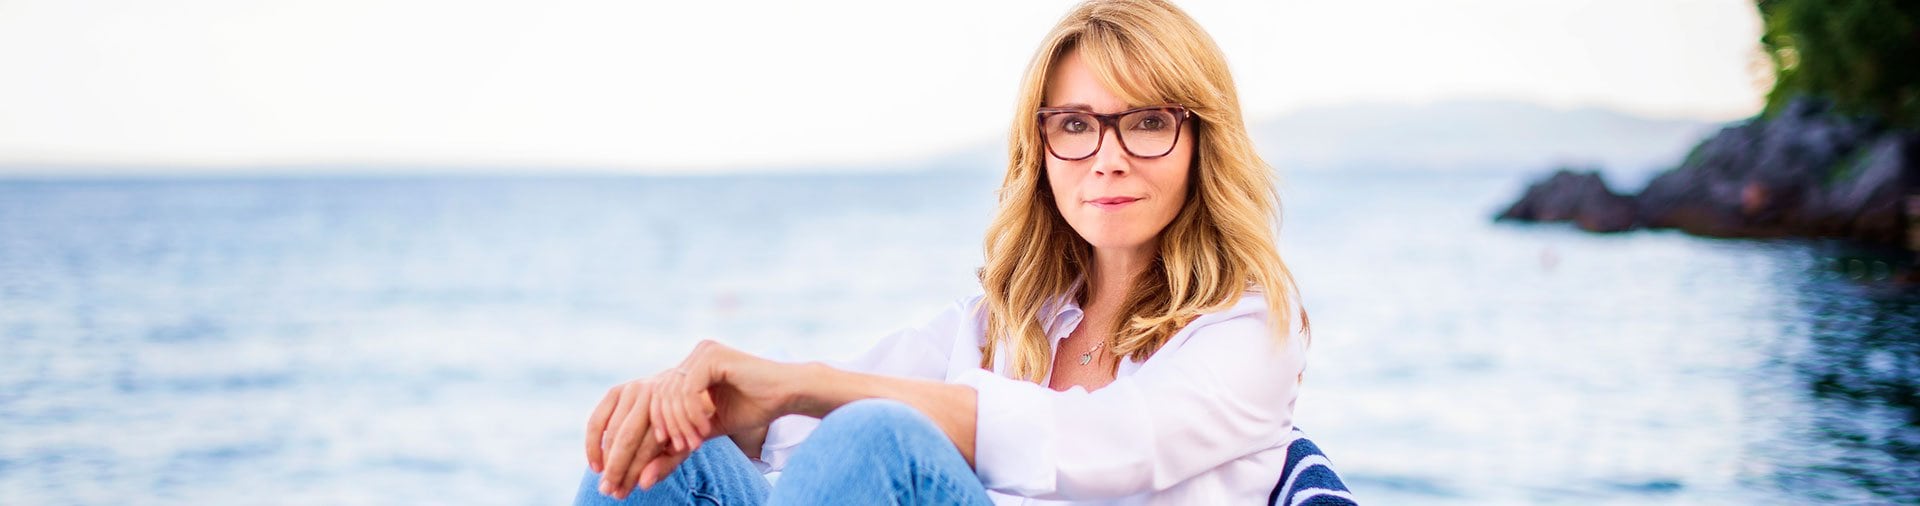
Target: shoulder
[1253, 306]
[970, 307]
[939, 323]
[1250, 321]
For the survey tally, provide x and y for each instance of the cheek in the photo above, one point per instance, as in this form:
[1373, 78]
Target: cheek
[1177, 178]
[1057, 183]
[1186, 174]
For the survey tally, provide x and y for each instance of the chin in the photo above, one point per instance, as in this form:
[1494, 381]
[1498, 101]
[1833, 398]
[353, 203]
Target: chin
[1117, 241]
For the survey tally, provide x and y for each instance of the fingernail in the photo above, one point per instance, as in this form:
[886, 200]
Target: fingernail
[604, 489]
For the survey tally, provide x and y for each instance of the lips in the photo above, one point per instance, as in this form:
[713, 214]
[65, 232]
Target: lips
[1113, 203]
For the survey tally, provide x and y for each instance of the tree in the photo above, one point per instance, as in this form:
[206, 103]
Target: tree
[1863, 55]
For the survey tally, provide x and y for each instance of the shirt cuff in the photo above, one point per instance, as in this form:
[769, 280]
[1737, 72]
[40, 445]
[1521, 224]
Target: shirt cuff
[1013, 433]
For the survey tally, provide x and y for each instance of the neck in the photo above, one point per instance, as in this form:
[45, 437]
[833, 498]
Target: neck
[1114, 272]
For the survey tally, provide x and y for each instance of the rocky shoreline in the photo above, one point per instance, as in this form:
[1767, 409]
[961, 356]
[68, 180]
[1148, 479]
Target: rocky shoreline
[1804, 172]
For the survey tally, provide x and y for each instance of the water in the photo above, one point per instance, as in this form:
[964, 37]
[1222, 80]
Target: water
[440, 340]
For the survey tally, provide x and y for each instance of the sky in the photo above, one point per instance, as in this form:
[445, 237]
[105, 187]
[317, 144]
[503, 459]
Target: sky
[124, 86]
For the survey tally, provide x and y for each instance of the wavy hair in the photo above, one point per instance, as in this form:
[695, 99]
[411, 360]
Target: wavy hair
[1222, 242]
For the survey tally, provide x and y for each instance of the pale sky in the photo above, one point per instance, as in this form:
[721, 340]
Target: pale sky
[236, 85]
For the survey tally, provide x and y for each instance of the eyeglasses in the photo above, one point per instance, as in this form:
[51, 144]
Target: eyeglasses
[1146, 132]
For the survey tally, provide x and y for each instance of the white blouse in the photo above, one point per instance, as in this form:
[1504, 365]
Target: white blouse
[1205, 420]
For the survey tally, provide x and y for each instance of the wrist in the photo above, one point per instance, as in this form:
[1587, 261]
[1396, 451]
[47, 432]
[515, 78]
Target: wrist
[750, 441]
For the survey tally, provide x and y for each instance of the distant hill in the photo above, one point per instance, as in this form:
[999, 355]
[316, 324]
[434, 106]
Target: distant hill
[1453, 136]
[1475, 136]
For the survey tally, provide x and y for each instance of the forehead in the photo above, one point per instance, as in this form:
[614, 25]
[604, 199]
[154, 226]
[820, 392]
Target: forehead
[1076, 79]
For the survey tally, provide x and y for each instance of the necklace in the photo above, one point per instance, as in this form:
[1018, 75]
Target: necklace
[1088, 356]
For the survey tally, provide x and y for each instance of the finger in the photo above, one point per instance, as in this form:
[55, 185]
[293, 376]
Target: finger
[674, 416]
[597, 426]
[686, 402]
[650, 449]
[645, 450]
[621, 411]
[701, 402]
[684, 416]
[626, 439]
[676, 412]
[660, 468]
[628, 396]
[635, 473]
[707, 411]
[690, 416]
[657, 411]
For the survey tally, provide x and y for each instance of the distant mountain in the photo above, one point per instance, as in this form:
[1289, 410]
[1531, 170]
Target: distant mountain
[1476, 136]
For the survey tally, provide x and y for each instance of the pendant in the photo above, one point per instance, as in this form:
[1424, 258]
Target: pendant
[1086, 357]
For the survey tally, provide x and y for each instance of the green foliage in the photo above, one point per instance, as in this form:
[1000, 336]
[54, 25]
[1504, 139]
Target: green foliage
[1864, 55]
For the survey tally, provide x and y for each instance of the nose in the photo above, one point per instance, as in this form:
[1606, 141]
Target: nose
[1112, 158]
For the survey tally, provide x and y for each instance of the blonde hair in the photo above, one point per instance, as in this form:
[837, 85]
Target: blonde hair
[1219, 245]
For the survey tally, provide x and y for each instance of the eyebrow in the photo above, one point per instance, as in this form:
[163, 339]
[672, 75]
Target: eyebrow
[1089, 108]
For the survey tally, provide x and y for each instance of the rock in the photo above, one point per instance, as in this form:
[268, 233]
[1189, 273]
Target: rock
[1869, 202]
[1580, 197]
[1803, 172]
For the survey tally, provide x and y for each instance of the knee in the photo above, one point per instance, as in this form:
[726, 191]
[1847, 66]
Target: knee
[874, 412]
[877, 416]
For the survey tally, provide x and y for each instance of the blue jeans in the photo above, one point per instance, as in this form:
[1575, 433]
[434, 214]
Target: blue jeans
[872, 451]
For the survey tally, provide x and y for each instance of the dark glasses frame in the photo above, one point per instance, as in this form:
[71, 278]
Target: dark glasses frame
[1180, 116]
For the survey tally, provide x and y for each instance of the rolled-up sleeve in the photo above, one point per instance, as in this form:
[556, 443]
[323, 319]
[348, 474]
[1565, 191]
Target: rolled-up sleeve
[1225, 392]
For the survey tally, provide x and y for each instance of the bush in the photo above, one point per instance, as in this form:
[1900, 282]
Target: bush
[1863, 55]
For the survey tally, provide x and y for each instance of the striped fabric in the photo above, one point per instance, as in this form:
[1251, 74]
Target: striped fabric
[1308, 478]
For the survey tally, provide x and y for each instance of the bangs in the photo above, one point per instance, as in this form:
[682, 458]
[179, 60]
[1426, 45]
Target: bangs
[1128, 67]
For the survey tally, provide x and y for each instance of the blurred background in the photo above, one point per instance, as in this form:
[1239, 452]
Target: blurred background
[360, 252]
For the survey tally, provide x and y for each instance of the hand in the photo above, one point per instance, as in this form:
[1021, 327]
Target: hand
[620, 447]
[719, 390]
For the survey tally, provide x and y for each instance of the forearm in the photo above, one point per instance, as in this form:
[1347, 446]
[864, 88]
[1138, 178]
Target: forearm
[820, 389]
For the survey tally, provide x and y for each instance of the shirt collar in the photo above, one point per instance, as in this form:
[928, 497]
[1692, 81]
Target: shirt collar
[1063, 313]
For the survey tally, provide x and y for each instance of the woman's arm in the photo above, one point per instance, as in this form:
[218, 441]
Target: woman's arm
[748, 392]
[820, 389]
[750, 441]
[720, 390]
[921, 350]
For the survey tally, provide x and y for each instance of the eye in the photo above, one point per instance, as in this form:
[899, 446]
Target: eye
[1153, 121]
[1074, 125]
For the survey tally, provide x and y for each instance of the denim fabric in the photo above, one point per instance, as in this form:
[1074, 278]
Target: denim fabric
[867, 452]
[878, 451]
[717, 473]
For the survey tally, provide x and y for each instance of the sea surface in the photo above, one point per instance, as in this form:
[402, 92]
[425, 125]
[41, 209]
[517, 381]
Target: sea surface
[440, 340]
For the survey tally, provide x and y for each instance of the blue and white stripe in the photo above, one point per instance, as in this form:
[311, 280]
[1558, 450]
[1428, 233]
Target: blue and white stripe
[1308, 478]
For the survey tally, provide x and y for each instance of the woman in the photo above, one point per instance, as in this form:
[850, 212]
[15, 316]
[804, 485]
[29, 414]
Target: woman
[1138, 338]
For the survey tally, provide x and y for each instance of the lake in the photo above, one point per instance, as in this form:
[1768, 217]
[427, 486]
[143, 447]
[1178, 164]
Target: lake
[358, 340]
